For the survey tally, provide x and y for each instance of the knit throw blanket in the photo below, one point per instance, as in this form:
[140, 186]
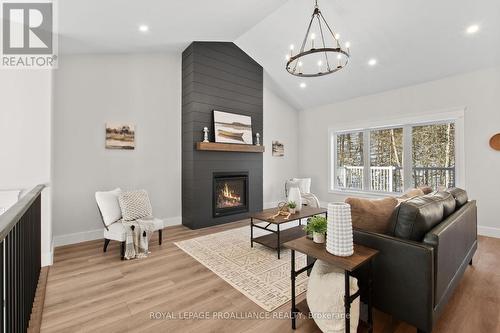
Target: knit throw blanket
[138, 234]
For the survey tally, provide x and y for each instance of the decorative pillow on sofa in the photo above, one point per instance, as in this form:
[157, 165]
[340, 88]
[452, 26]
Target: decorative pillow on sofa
[372, 215]
[426, 189]
[109, 206]
[135, 205]
[412, 193]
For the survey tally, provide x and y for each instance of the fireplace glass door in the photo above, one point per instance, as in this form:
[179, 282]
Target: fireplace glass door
[230, 194]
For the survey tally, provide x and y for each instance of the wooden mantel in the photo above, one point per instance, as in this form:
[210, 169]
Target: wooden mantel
[229, 147]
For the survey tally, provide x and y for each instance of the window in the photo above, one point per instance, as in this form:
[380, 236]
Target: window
[350, 162]
[433, 155]
[394, 158]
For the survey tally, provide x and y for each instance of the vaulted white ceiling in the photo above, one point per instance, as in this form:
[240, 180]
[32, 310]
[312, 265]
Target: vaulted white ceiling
[111, 26]
[413, 41]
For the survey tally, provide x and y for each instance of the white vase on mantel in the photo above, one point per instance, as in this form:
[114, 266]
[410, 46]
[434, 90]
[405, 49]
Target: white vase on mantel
[339, 240]
[294, 195]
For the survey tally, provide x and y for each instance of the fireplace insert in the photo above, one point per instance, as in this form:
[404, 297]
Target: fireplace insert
[230, 193]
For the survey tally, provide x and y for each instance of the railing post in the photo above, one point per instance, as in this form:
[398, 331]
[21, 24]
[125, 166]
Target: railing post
[390, 178]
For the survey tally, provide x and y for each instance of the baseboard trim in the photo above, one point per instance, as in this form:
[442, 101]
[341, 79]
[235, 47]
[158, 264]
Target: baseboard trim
[488, 231]
[47, 258]
[90, 235]
[171, 221]
[78, 237]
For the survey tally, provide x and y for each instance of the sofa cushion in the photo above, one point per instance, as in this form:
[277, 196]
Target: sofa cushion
[448, 202]
[109, 206]
[460, 196]
[135, 205]
[413, 218]
[372, 215]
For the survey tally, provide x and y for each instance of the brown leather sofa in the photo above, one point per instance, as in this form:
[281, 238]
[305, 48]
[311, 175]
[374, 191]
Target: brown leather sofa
[423, 257]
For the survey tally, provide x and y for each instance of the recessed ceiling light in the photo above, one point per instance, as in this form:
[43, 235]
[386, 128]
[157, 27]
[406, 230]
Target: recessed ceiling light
[143, 28]
[303, 85]
[472, 29]
[347, 44]
[372, 62]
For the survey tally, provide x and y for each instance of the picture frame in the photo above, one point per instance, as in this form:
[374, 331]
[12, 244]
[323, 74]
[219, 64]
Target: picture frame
[232, 128]
[278, 149]
[120, 136]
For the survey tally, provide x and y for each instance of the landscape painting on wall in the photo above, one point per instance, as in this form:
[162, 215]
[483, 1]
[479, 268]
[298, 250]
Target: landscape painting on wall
[120, 136]
[232, 128]
[278, 149]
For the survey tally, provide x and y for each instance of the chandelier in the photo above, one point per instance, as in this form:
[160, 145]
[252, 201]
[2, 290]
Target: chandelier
[325, 53]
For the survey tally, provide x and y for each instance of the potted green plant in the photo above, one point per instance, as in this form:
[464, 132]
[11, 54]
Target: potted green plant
[317, 226]
[291, 207]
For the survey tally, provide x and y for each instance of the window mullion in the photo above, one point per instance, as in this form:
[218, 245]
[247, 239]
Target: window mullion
[407, 157]
[366, 160]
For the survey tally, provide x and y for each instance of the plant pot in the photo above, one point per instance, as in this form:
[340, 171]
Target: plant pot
[291, 210]
[318, 237]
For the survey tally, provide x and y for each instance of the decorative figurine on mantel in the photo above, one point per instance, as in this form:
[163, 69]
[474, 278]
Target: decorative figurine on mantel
[257, 139]
[205, 134]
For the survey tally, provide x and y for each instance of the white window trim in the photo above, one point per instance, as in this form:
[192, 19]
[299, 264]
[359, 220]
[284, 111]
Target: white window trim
[456, 115]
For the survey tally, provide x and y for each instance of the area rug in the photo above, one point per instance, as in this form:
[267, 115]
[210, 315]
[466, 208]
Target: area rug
[255, 272]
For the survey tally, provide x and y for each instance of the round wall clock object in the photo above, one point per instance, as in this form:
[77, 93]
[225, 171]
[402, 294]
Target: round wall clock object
[495, 141]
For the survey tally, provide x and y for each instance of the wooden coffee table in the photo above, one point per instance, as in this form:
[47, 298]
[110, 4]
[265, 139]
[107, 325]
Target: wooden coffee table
[362, 256]
[277, 237]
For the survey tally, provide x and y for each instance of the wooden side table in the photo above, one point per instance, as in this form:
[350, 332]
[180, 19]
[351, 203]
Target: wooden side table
[362, 256]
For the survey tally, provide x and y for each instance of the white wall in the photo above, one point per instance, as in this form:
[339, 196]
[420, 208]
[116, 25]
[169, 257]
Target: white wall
[25, 139]
[90, 90]
[478, 92]
[145, 90]
[281, 124]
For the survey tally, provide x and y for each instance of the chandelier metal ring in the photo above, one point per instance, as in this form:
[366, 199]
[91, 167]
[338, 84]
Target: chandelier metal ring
[293, 71]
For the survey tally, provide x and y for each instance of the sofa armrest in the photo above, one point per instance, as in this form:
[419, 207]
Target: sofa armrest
[403, 277]
[454, 241]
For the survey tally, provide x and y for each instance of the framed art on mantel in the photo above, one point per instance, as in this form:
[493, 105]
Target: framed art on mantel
[232, 128]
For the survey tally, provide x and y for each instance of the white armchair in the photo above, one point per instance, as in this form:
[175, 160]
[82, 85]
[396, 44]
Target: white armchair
[110, 212]
[304, 185]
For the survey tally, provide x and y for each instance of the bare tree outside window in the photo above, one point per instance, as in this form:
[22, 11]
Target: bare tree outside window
[433, 155]
[350, 162]
[386, 160]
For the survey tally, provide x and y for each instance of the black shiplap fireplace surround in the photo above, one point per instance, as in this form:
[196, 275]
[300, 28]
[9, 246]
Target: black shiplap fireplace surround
[218, 76]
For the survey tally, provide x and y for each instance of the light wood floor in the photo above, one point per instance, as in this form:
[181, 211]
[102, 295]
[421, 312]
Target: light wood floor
[92, 291]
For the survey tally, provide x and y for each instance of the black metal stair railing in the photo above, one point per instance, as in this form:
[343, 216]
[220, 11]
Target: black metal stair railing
[20, 261]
